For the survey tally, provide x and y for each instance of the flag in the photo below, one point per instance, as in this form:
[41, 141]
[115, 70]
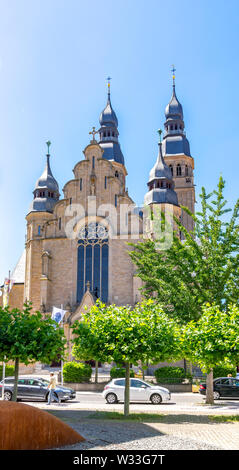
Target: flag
[58, 314]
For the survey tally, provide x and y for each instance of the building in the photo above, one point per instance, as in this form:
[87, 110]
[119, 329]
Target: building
[76, 246]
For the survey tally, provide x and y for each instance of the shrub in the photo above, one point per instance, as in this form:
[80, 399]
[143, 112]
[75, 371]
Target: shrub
[76, 372]
[9, 371]
[116, 372]
[171, 375]
[220, 371]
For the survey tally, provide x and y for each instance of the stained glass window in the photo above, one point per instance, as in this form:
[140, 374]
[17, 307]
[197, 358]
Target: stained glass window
[93, 251]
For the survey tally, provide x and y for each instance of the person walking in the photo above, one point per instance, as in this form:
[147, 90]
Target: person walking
[52, 386]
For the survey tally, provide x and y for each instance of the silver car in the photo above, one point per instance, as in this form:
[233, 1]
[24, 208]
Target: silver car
[34, 388]
[139, 391]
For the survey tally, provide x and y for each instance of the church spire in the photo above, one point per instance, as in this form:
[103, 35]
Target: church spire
[109, 131]
[46, 191]
[174, 141]
[160, 183]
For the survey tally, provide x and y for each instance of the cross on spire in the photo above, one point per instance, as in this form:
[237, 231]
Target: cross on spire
[108, 81]
[160, 135]
[48, 143]
[93, 132]
[173, 70]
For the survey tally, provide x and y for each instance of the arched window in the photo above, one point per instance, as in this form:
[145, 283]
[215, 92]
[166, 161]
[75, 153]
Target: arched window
[105, 182]
[93, 162]
[80, 184]
[176, 127]
[93, 248]
[171, 168]
[179, 170]
[113, 134]
[104, 134]
[186, 170]
[59, 223]
[117, 174]
[108, 133]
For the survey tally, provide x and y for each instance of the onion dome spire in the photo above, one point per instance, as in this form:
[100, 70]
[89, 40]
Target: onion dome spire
[46, 191]
[160, 183]
[109, 132]
[174, 141]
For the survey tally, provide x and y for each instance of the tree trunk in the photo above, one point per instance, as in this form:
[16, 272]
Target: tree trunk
[126, 390]
[209, 390]
[14, 396]
[96, 371]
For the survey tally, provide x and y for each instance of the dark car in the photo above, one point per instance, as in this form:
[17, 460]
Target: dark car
[34, 388]
[223, 387]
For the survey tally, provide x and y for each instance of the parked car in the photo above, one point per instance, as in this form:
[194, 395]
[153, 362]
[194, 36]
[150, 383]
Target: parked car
[223, 387]
[139, 391]
[34, 388]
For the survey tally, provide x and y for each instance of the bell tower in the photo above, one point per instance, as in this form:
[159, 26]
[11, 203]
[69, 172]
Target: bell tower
[176, 152]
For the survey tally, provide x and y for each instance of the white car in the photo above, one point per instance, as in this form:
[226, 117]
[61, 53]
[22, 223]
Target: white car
[139, 391]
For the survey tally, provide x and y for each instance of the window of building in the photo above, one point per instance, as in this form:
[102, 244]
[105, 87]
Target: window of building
[116, 200]
[104, 134]
[39, 230]
[186, 170]
[92, 269]
[93, 162]
[179, 170]
[171, 168]
[117, 174]
[59, 223]
[113, 134]
[80, 184]
[108, 133]
[105, 182]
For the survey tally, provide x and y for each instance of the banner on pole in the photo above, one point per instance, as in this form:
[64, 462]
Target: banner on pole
[58, 314]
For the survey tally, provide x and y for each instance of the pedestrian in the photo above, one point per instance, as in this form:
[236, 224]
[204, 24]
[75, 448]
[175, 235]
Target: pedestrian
[52, 387]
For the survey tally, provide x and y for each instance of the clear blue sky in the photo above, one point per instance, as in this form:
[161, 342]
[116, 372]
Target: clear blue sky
[55, 56]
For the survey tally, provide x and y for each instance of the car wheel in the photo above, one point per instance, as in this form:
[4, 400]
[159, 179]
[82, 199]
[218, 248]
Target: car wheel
[7, 396]
[216, 395]
[111, 398]
[156, 399]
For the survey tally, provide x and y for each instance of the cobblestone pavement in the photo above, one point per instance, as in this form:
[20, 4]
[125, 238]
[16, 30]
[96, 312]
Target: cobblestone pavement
[185, 425]
[177, 432]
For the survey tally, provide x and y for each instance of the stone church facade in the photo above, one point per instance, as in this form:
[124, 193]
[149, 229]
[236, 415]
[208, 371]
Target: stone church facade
[76, 246]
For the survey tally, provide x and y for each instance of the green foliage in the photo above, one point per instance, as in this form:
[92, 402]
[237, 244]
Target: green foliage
[121, 334]
[212, 340]
[76, 372]
[204, 267]
[29, 337]
[9, 371]
[116, 372]
[171, 374]
[223, 371]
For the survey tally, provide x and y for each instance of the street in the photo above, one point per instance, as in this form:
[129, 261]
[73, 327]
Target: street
[179, 403]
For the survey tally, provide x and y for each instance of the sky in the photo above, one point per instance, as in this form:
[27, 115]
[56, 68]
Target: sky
[55, 57]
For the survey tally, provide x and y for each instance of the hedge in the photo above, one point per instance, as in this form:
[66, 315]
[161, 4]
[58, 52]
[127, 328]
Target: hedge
[171, 375]
[117, 372]
[76, 372]
[220, 371]
[9, 371]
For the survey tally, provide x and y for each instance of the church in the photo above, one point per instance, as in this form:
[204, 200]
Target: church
[76, 247]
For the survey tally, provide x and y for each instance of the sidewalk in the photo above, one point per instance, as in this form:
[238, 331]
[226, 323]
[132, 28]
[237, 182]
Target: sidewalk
[176, 432]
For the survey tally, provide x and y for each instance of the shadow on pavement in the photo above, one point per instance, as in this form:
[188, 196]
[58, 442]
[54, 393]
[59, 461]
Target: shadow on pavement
[102, 433]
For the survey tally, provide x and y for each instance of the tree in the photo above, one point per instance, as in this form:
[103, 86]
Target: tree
[212, 341]
[27, 337]
[125, 335]
[201, 268]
